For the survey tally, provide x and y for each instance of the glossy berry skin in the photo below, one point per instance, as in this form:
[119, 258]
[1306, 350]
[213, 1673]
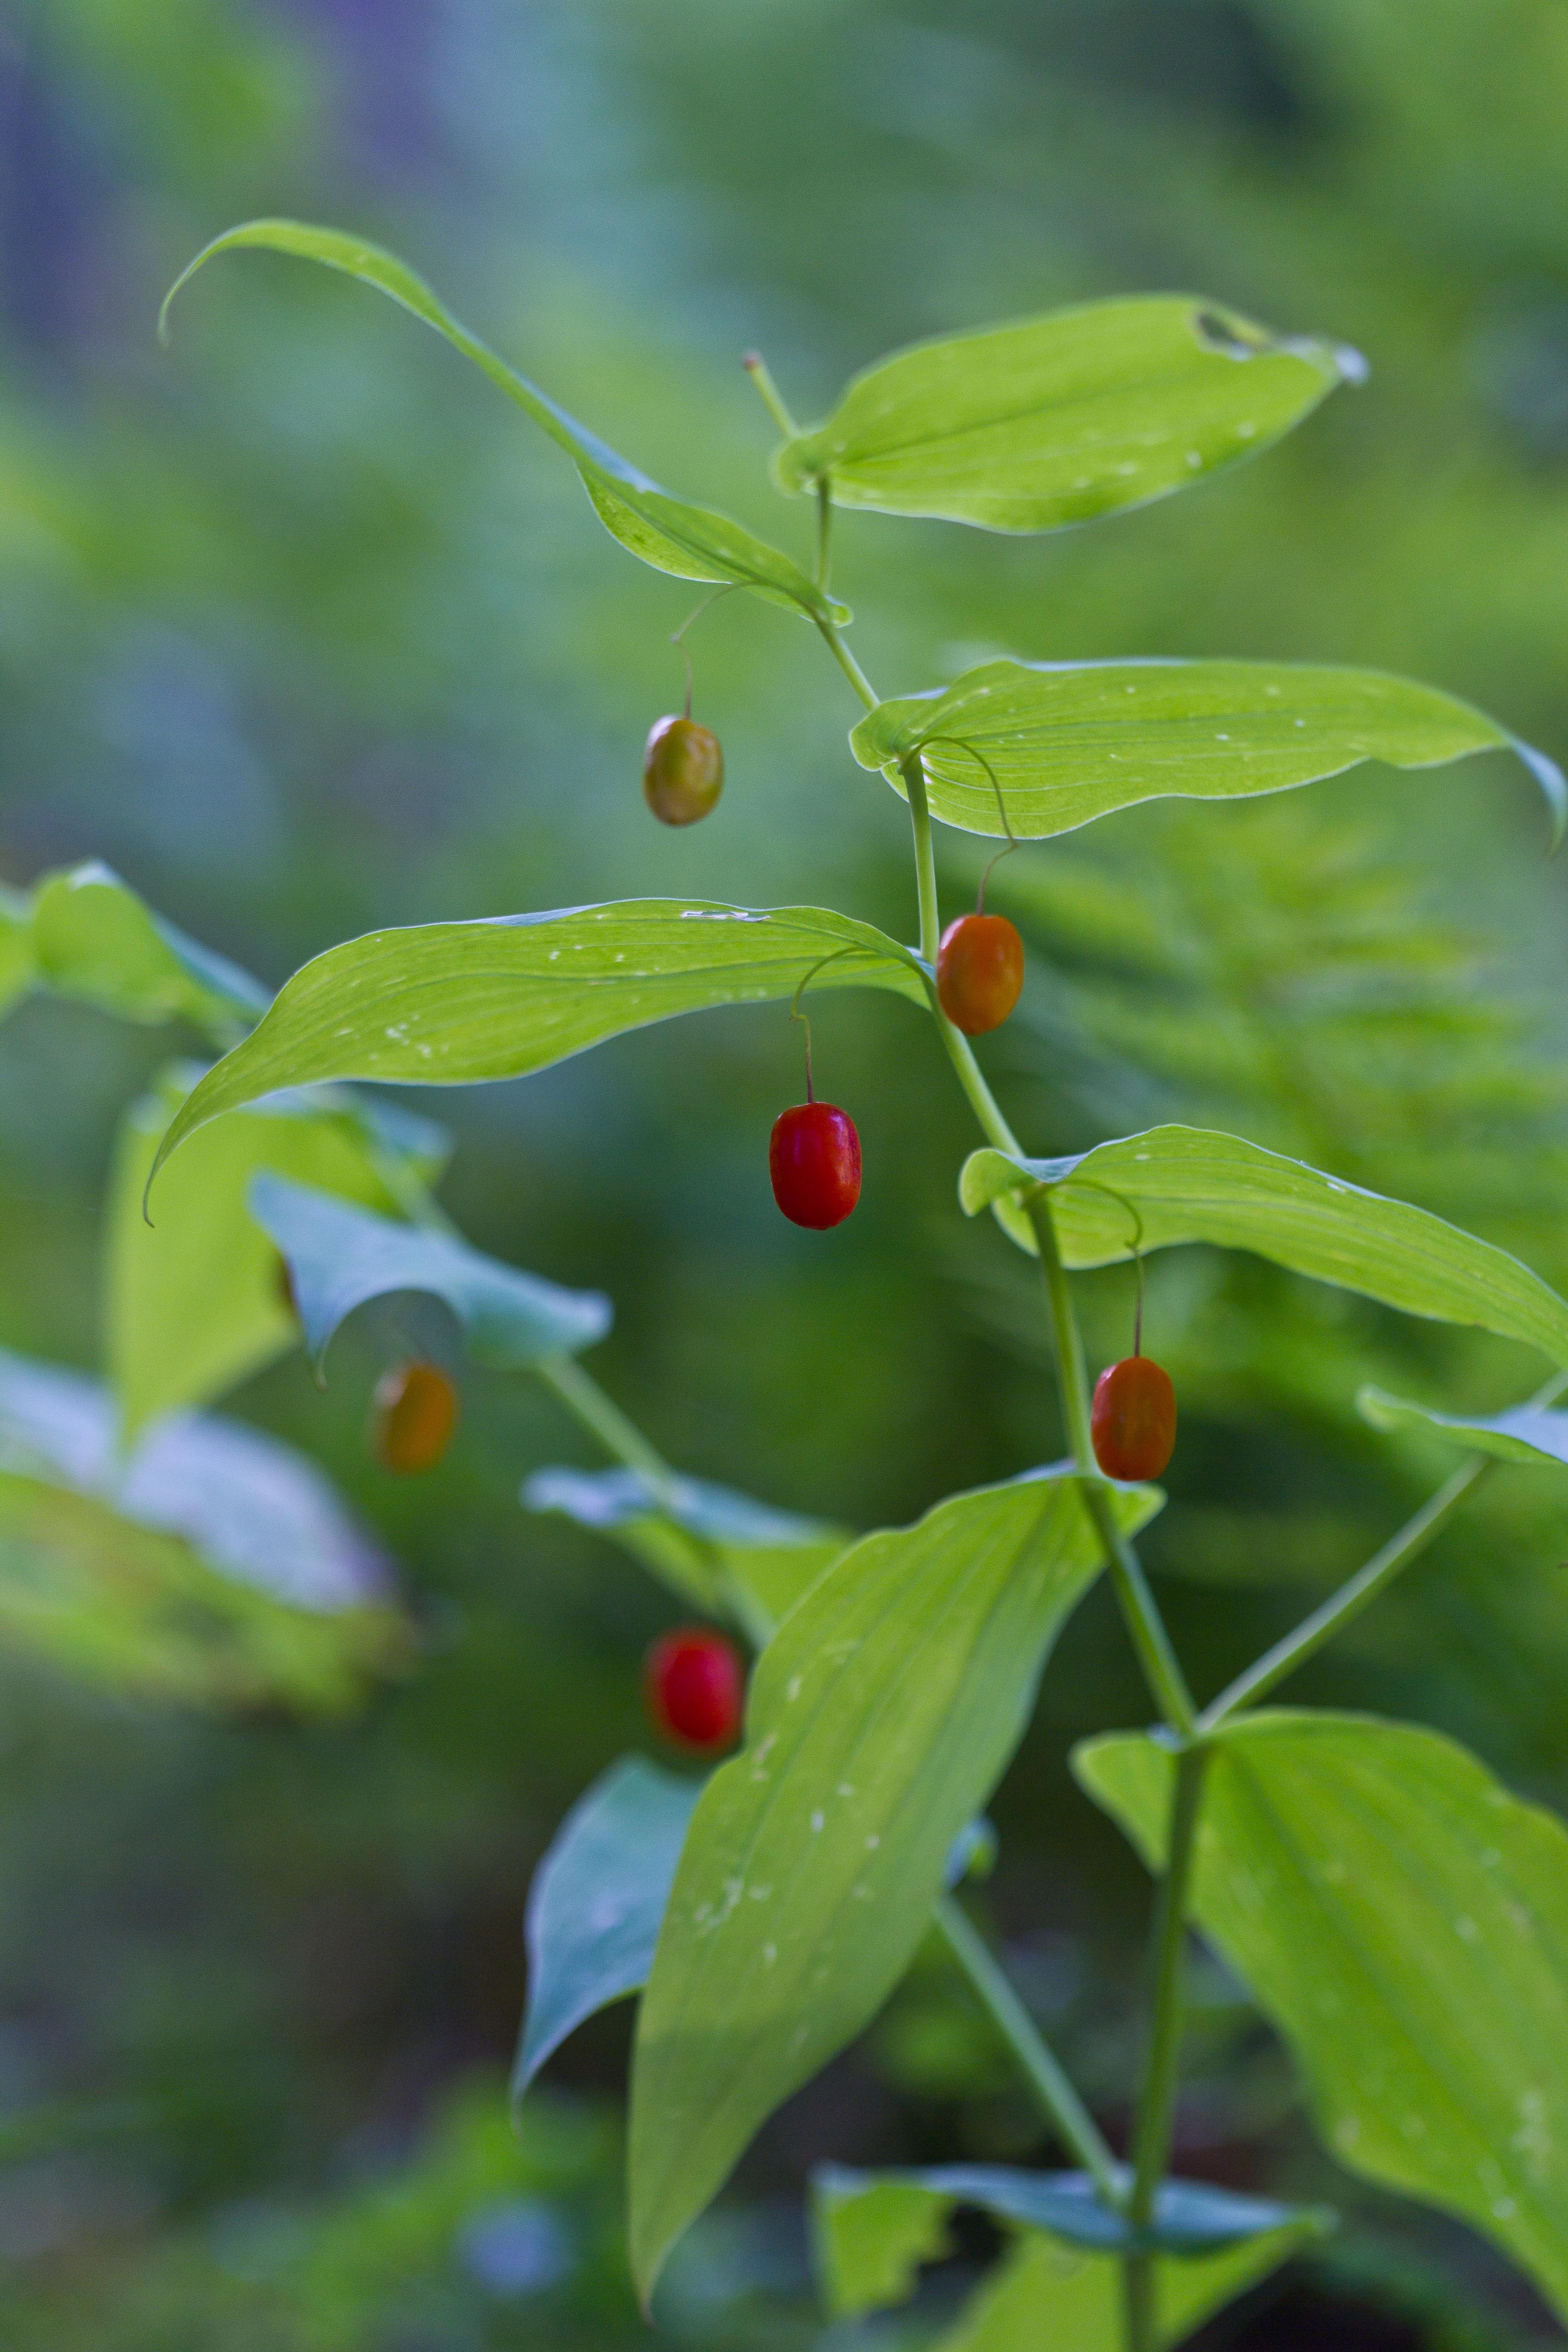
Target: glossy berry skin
[979, 972]
[695, 1688]
[813, 1159]
[682, 770]
[415, 1414]
[1134, 1420]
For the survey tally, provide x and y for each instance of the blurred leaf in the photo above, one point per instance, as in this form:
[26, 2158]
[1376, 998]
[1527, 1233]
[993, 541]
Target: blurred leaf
[1179, 1184]
[1069, 741]
[691, 541]
[1403, 1921]
[1057, 419]
[196, 1301]
[1526, 1433]
[94, 938]
[871, 2232]
[341, 1257]
[596, 1902]
[18, 971]
[695, 1536]
[1082, 2295]
[879, 1719]
[219, 1570]
[447, 1004]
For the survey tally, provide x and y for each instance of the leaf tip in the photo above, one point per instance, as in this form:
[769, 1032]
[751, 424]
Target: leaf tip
[1554, 784]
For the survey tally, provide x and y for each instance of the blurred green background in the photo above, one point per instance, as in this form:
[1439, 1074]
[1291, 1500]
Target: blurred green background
[304, 631]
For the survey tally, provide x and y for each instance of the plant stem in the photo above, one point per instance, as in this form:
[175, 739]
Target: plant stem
[599, 1414]
[912, 771]
[1061, 2103]
[1157, 2107]
[1161, 1669]
[824, 531]
[833, 637]
[756, 367]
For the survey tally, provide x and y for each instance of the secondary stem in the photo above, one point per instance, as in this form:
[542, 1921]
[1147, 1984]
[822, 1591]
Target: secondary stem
[1157, 2107]
[912, 771]
[834, 640]
[1060, 2103]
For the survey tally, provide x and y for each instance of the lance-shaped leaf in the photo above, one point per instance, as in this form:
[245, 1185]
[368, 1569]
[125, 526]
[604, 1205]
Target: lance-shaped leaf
[599, 1897]
[1056, 419]
[194, 1301]
[880, 1716]
[1525, 1432]
[1083, 2292]
[1187, 1184]
[1066, 743]
[596, 1902]
[691, 541]
[447, 1004]
[218, 1568]
[699, 1537]
[94, 938]
[1404, 1920]
[339, 1256]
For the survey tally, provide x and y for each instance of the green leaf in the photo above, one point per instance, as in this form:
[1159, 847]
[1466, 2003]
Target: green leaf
[18, 971]
[1082, 2295]
[695, 1536]
[693, 542]
[339, 1257]
[1178, 1184]
[1069, 741]
[218, 1570]
[880, 1716]
[94, 938]
[448, 1003]
[1056, 419]
[194, 1301]
[1404, 1920]
[1525, 1432]
[597, 1901]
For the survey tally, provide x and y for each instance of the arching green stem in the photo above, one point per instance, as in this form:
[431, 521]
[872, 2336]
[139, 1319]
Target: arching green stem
[833, 639]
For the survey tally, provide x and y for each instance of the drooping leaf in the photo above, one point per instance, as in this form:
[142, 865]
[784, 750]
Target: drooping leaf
[1069, 741]
[1056, 419]
[218, 1569]
[1175, 1185]
[697, 1536]
[94, 938]
[1525, 1432]
[880, 1716]
[1081, 2293]
[448, 1003]
[339, 1256]
[1404, 1920]
[691, 541]
[597, 1901]
[195, 1300]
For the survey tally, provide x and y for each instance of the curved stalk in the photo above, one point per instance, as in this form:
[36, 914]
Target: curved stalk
[912, 769]
[834, 640]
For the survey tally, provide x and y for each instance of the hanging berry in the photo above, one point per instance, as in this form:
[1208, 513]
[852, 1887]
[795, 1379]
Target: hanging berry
[813, 1159]
[1133, 1418]
[979, 972]
[415, 1414]
[695, 1688]
[682, 770]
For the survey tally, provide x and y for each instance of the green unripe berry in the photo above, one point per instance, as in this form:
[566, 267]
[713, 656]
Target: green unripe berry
[682, 770]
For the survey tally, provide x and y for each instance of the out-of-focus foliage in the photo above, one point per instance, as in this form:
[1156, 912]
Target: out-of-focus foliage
[304, 633]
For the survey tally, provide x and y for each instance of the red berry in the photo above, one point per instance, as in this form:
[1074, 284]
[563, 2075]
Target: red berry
[695, 1687]
[415, 1414]
[814, 1158]
[682, 770]
[979, 972]
[1133, 1422]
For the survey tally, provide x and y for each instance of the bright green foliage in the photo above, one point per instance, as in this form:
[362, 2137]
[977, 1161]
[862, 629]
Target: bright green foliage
[1526, 1433]
[872, 2231]
[1183, 1184]
[339, 1257]
[1080, 2296]
[692, 541]
[93, 938]
[444, 1004]
[1057, 419]
[1069, 743]
[16, 969]
[1404, 1920]
[195, 1300]
[702, 1540]
[880, 1716]
[597, 1900]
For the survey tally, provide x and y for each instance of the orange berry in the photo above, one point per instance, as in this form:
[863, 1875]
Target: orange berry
[979, 972]
[682, 770]
[415, 1414]
[1134, 1420]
